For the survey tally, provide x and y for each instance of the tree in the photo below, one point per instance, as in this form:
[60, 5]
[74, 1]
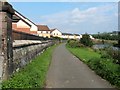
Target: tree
[86, 40]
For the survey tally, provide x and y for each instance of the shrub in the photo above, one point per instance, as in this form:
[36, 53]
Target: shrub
[115, 54]
[106, 69]
[105, 55]
[74, 43]
[86, 40]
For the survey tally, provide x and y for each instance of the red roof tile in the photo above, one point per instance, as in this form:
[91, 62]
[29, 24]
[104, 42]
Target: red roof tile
[26, 30]
[43, 28]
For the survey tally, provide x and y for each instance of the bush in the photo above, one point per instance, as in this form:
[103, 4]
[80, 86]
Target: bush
[103, 64]
[105, 55]
[74, 43]
[115, 54]
[106, 69]
[86, 40]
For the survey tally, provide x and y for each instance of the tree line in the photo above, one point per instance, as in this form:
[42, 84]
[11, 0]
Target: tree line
[106, 36]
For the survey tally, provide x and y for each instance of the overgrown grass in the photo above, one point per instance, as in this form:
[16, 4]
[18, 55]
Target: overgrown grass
[102, 66]
[106, 69]
[32, 75]
[84, 53]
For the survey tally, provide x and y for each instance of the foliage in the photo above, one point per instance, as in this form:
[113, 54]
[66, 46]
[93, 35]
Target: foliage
[86, 40]
[74, 43]
[32, 75]
[56, 38]
[84, 53]
[115, 54]
[105, 36]
[104, 54]
[106, 69]
[110, 53]
[102, 63]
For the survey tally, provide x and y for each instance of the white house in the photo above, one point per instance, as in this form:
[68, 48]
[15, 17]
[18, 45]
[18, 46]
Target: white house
[65, 35]
[71, 36]
[91, 37]
[77, 36]
[43, 31]
[56, 33]
[21, 23]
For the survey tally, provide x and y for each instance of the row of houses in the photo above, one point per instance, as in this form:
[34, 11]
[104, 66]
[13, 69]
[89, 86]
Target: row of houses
[23, 24]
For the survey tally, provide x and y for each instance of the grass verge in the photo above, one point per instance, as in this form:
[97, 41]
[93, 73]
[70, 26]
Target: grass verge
[102, 66]
[32, 75]
[83, 53]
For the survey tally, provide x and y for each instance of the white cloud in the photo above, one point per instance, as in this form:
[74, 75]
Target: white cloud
[92, 16]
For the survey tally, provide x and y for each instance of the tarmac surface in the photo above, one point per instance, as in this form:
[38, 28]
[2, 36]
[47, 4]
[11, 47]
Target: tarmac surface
[67, 71]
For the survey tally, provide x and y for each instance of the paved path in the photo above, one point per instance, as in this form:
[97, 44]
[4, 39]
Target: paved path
[66, 71]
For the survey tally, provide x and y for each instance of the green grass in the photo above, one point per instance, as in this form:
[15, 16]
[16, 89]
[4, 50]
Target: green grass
[84, 53]
[32, 75]
[102, 66]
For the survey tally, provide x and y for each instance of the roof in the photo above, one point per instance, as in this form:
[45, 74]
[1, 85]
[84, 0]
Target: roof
[67, 34]
[23, 17]
[43, 28]
[77, 34]
[25, 30]
[16, 18]
[54, 30]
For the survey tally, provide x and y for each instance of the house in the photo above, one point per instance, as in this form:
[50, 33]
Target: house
[43, 31]
[77, 36]
[56, 33]
[71, 36]
[91, 37]
[67, 36]
[23, 24]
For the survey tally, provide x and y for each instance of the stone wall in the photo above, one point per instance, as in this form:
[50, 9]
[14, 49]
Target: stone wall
[6, 54]
[22, 55]
[15, 54]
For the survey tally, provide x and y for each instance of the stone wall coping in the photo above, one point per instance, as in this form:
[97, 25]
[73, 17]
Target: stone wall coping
[19, 43]
[6, 7]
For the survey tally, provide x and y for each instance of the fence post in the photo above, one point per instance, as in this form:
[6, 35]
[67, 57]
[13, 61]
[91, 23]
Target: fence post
[6, 51]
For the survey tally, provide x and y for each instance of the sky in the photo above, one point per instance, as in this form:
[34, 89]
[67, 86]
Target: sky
[72, 17]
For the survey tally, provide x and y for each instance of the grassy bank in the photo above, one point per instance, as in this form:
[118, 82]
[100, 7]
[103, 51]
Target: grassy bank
[102, 66]
[32, 75]
[84, 53]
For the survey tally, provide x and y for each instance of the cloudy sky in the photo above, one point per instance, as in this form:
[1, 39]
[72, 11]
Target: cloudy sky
[72, 17]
